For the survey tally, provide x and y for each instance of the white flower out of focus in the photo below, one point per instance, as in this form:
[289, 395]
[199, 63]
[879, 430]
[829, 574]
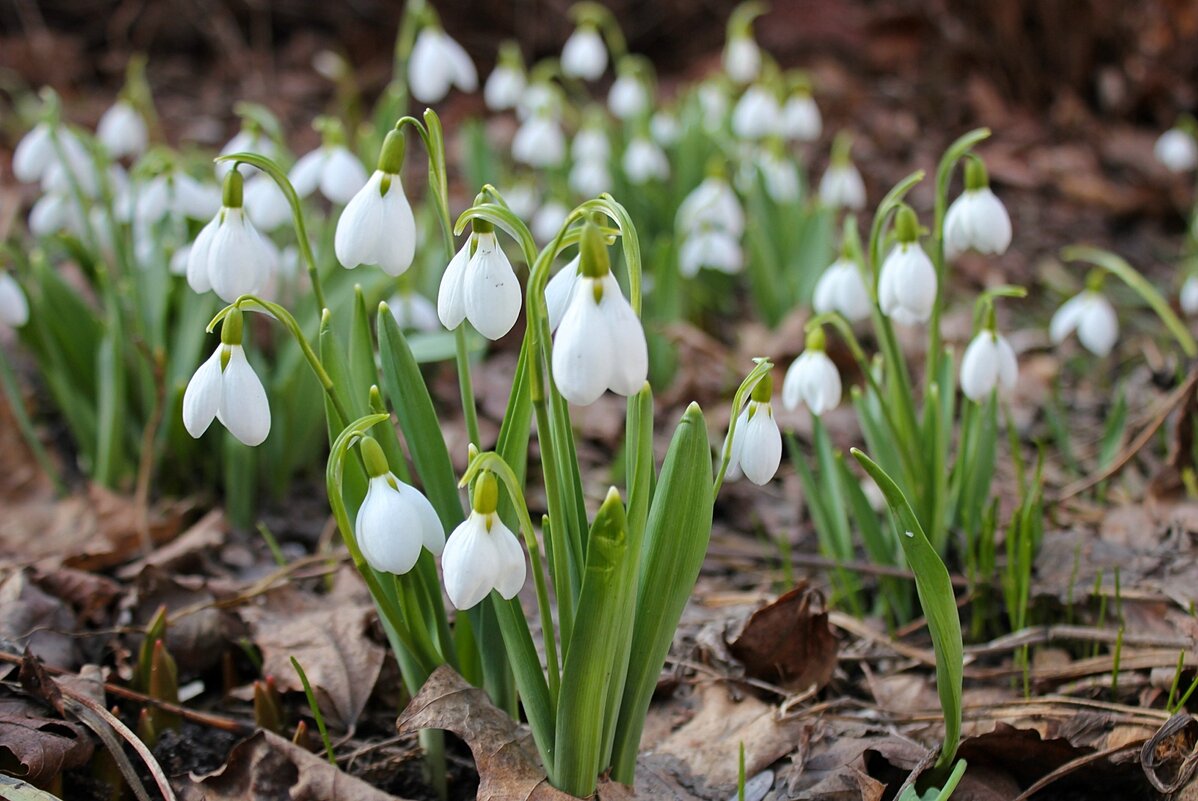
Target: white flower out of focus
[249, 139]
[226, 388]
[1189, 295]
[710, 222]
[812, 379]
[977, 220]
[628, 97]
[482, 554]
[42, 149]
[742, 58]
[229, 256]
[505, 85]
[539, 141]
[756, 115]
[989, 363]
[841, 186]
[645, 161]
[599, 343]
[801, 120]
[665, 128]
[584, 54]
[265, 203]
[332, 169]
[781, 175]
[907, 282]
[14, 308]
[1177, 150]
[122, 131]
[756, 449]
[480, 285]
[1091, 315]
[438, 63]
[395, 519]
[841, 289]
[377, 226]
[547, 220]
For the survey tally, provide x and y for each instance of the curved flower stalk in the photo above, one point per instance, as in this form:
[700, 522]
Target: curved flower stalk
[227, 389]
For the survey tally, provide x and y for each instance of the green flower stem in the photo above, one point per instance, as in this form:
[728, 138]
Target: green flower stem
[755, 377]
[1130, 276]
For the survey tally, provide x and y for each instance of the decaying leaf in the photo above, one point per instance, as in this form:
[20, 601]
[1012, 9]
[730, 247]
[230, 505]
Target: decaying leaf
[38, 749]
[788, 642]
[31, 617]
[267, 767]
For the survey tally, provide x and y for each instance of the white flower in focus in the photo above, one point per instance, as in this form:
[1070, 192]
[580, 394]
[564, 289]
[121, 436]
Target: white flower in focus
[560, 291]
[644, 161]
[539, 142]
[1092, 316]
[265, 203]
[628, 97]
[14, 308]
[332, 169]
[226, 388]
[1189, 295]
[482, 554]
[122, 131]
[479, 285]
[812, 379]
[801, 120]
[756, 115]
[395, 519]
[713, 248]
[548, 220]
[977, 219]
[841, 186]
[841, 289]
[1177, 150]
[756, 443]
[989, 363]
[504, 87]
[438, 63]
[584, 54]
[377, 226]
[742, 59]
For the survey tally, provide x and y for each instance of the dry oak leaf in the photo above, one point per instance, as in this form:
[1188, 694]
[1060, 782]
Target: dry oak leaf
[41, 747]
[789, 642]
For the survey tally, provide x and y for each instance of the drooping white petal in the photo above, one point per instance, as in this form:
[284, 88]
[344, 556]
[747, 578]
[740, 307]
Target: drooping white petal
[628, 97]
[428, 73]
[1066, 319]
[841, 187]
[539, 142]
[34, 153]
[737, 446]
[470, 562]
[590, 178]
[376, 228]
[582, 355]
[265, 203]
[756, 114]
[305, 175]
[201, 399]
[841, 289]
[548, 220]
[584, 55]
[50, 214]
[509, 578]
[1008, 365]
[801, 120]
[560, 290]
[1189, 295]
[665, 128]
[714, 203]
[386, 528]
[907, 284]
[238, 263]
[14, 308]
[644, 161]
[122, 130]
[979, 221]
[197, 258]
[626, 341]
[342, 175]
[1098, 329]
[492, 292]
[451, 297]
[814, 380]
[192, 198]
[503, 88]
[244, 409]
[979, 367]
[761, 450]
[432, 533]
[742, 59]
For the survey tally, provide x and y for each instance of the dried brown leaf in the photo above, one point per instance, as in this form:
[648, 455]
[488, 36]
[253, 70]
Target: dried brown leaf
[42, 747]
[788, 642]
[31, 617]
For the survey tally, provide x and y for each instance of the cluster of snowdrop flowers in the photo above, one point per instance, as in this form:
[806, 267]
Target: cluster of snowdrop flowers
[812, 379]
[482, 554]
[599, 343]
[395, 519]
[377, 226]
[841, 289]
[226, 388]
[480, 285]
[989, 364]
[907, 282]
[1091, 315]
[710, 222]
[437, 64]
[755, 450]
[14, 307]
[1177, 149]
[505, 85]
[977, 220]
[841, 186]
[230, 256]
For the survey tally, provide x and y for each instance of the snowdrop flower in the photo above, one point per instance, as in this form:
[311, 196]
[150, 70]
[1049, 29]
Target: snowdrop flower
[840, 289]
[122, 131]
[1092, 316]
[841, 186]
[644, 161]
[742, 57]
[584, 55]
[1177, 150]
[756, 114]
[54, 212]
[989, 363]
[780, 174]
[801, 120]
[539, 141]
[812, 379]
[332, 169]
[713, 248]
[599, 344]
[1189, 295]
[628, 97]
[176, 193]
[229, 256]
[438, 63]
[377, 226]
[665, 129]
[14, 308]
[547, 220]
[265, 203]
[590, 144]
[712, 203]
[907, 282]
[395, 520]
[977, 219]
[249, 139]
[756, 448]
[541, 97]
[590, 178]
[506, 83]
[560, 291]
[482, 554]
[226, 388]
[479, 285]
[413, 311]
[37, 153]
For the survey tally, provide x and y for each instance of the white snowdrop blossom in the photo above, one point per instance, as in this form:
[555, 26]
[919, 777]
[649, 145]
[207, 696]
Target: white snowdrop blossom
[590, 178]
[599, 343]
[710, 221]
[584, 54]
[907, 282]
[42, 149]
[175, 193]
[977, 219]
[54, 212]
[989, 363]
[1092, 316]
[756, 448]
[178, 262]
[665, 128]
[414, 312]
[710, 247]
[539, 141]
[521, 198]
[812, 379]
[590, 144]
[480, 285]
[541, 97]
[801, 120]
[265, 203]
[742, 58]
[756, 115]
[840, 289]
[713, 101]
[226, 388]
[1189, 295]
[438, 63]
[395, 519]
[645, 161]
[547, 220]
[628, 97]
[377, 226]
[1177, 150]
[229, 256]
[781, 176]
[14, 308]
[482, 554]
[122, 131]
[560, 291]
[332, 169]
[712, 202]
[504, 87]
[841, 186]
